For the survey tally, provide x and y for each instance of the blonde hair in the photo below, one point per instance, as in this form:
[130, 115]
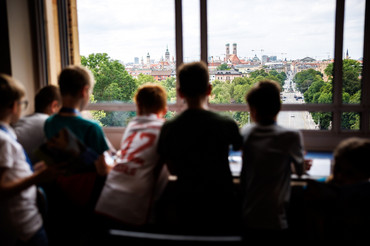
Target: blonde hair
[151, 98]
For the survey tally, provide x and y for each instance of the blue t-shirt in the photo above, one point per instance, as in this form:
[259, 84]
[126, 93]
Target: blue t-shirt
[87, 131]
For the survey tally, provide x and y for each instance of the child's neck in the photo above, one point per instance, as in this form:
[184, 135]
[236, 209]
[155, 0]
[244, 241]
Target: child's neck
[7, 120]
[197, 103]
[69, 102]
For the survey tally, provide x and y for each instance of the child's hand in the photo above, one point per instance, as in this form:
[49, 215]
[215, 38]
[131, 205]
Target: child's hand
[103, 164]
[45, 173]
[307, 164]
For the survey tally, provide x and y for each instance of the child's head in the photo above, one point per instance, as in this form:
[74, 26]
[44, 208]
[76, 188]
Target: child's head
[48, 100]
[11, 94]
[264, 101]
[193, 79]
[76, 82]
[351, 161]
[151, 98]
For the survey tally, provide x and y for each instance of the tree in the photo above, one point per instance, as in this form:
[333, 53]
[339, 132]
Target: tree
[144, 78]
[112, 83]
[351, 75]
[223, 66]
[106, 72]
[257, 73]
[317, 91]
[170, 85]
[304, 79]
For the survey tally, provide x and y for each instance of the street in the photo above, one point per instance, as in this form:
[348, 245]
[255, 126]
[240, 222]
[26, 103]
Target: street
[294, 119]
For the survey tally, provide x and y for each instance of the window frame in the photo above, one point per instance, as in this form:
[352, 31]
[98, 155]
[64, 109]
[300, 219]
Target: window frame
[314, 140]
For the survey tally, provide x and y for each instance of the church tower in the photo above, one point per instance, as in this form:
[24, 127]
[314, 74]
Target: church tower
[227, 51]
[148, 59]
[167, 55]
[234, 49]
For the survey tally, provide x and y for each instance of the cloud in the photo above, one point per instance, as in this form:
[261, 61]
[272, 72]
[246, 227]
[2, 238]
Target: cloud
[295, 28]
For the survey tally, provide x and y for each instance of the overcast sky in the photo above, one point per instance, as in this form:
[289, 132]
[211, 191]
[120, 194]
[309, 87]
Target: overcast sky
[286, 28]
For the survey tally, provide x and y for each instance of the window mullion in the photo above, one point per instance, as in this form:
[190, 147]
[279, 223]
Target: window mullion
[203, 31]
[179, 44]
[338, 65]
[365, 97]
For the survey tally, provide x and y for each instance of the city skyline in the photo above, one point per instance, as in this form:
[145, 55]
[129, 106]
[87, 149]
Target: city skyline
[287, 29]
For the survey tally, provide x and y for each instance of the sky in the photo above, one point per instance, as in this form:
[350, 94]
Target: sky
[291, 29]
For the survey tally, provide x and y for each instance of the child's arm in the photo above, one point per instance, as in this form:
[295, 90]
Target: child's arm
[297, 153]
[42, 174]
[104, 164]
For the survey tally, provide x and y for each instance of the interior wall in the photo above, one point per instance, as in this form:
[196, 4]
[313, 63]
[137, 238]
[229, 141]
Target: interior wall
[21, 48]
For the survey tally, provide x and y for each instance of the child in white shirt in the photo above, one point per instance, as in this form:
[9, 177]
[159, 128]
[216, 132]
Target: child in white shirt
[21, 221]
[129, 189]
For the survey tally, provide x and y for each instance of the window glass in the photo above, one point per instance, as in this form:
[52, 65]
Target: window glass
[126, 44]
[241, 117]
[302, 120]
[305, 120]
[291, 42]
[353, 41]
[116, 118]
[191, 30]
[350, 121]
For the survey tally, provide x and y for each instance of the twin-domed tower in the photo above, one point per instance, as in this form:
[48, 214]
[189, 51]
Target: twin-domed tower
[228, 50]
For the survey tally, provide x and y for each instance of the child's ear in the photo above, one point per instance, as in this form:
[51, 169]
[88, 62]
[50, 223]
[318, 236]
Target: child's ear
[181, 95]
[164, 111]
[86, 91]
[209, 89]
[54, 106]
[14, 107]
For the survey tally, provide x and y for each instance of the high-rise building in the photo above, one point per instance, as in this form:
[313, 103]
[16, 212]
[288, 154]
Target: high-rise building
[136, 60]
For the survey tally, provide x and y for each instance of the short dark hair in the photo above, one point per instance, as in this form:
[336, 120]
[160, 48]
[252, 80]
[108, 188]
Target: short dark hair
[45, 96]
[193, 79]
[151, 98]
[351, 158]
[265, 98]
[10, 92]
[73, 79]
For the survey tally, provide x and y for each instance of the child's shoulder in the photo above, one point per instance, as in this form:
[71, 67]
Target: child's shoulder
[270, 130]
[79, 120]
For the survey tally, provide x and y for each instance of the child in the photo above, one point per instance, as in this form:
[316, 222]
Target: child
[20, 218]
[128, 191]
[351, 164]
[195, 146]
[73, 197]
[30, 129]
[268, 150]
[337, 211]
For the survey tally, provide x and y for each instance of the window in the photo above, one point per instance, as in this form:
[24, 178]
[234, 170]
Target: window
[302, 44]
[126, 44]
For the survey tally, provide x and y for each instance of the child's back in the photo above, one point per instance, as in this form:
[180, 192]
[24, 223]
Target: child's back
[129, 190]
[268, 151]
[195, 145]
[72, 198]
[267, 155]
